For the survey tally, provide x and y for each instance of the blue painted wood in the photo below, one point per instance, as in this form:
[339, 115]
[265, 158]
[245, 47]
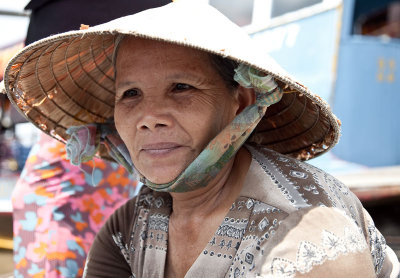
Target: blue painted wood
[306, 48]
[367, 100]
[365, 88]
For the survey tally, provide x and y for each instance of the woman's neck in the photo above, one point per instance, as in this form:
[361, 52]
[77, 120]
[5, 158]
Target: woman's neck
[218, 196]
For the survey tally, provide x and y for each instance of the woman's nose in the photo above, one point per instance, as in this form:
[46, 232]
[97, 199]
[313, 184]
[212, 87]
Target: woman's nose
[154, 115]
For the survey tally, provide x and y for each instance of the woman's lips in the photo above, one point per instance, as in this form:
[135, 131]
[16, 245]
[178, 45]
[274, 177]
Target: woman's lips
[158, 149]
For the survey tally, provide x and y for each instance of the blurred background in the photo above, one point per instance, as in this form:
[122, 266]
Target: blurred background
[15, 140]
[346, 51]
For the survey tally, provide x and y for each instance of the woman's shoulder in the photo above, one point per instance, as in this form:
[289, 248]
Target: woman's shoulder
[113, 242]
[316, 242]
[310, 221]
[290, 184]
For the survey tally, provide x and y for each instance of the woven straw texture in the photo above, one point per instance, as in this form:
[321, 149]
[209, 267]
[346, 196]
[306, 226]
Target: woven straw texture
[68, 79]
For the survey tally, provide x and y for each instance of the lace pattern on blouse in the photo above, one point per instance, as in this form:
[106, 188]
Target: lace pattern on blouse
[309, 254]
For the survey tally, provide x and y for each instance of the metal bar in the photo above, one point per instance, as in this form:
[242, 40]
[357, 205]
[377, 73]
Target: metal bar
[15, 13]
[6, 243]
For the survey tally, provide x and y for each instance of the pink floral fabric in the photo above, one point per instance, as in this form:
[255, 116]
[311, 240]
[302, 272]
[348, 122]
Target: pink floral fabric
[58, 211]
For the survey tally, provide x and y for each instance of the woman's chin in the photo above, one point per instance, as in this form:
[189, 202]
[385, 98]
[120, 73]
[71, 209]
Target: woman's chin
[160, 180]
[161, 176]
[163, 171]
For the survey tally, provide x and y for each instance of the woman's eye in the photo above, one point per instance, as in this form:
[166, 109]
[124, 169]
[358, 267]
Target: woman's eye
[130, 93]
[182, 87]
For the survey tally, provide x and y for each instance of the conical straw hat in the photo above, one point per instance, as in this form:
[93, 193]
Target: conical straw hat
[68, 79]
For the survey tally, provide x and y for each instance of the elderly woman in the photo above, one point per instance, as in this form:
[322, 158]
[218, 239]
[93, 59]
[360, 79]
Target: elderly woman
[216, 130]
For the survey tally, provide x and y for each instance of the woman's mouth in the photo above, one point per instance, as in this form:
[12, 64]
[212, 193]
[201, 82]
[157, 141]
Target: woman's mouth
[162, 148]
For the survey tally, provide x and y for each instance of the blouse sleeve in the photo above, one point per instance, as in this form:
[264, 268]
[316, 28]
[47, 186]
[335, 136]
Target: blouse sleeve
[109, 256]
[325, 242]
[385, 260]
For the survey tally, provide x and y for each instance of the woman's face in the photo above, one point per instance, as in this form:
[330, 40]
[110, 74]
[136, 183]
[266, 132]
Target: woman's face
[170, 102]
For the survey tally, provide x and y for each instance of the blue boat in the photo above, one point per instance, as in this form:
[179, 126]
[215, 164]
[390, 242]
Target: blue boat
[348, 52]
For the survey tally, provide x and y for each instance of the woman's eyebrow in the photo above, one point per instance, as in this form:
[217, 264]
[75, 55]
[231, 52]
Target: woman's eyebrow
[125, 84]
[172, 77]
[188, 76]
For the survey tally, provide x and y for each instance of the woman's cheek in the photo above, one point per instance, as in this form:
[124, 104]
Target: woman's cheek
[123, 122]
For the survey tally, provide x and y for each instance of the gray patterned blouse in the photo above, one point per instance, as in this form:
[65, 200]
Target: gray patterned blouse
[290, 220]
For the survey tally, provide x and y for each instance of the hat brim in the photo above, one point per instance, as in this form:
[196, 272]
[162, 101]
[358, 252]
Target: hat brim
[68, 79]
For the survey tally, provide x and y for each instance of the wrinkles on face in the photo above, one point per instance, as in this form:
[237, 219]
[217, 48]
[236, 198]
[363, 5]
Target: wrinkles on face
[170, 102]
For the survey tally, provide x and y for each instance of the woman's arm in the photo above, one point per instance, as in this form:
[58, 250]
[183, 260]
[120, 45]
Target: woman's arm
[109, 256]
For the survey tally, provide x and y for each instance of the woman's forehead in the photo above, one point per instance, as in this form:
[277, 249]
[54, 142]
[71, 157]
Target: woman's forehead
[141, 55]
[137, 47]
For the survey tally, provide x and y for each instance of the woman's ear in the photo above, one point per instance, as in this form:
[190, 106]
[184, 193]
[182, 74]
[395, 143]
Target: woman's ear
[246, 97]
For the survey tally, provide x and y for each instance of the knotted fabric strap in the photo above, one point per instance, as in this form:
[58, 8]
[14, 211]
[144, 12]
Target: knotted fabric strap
[216, 154]
[83, 143]
[85, 140]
